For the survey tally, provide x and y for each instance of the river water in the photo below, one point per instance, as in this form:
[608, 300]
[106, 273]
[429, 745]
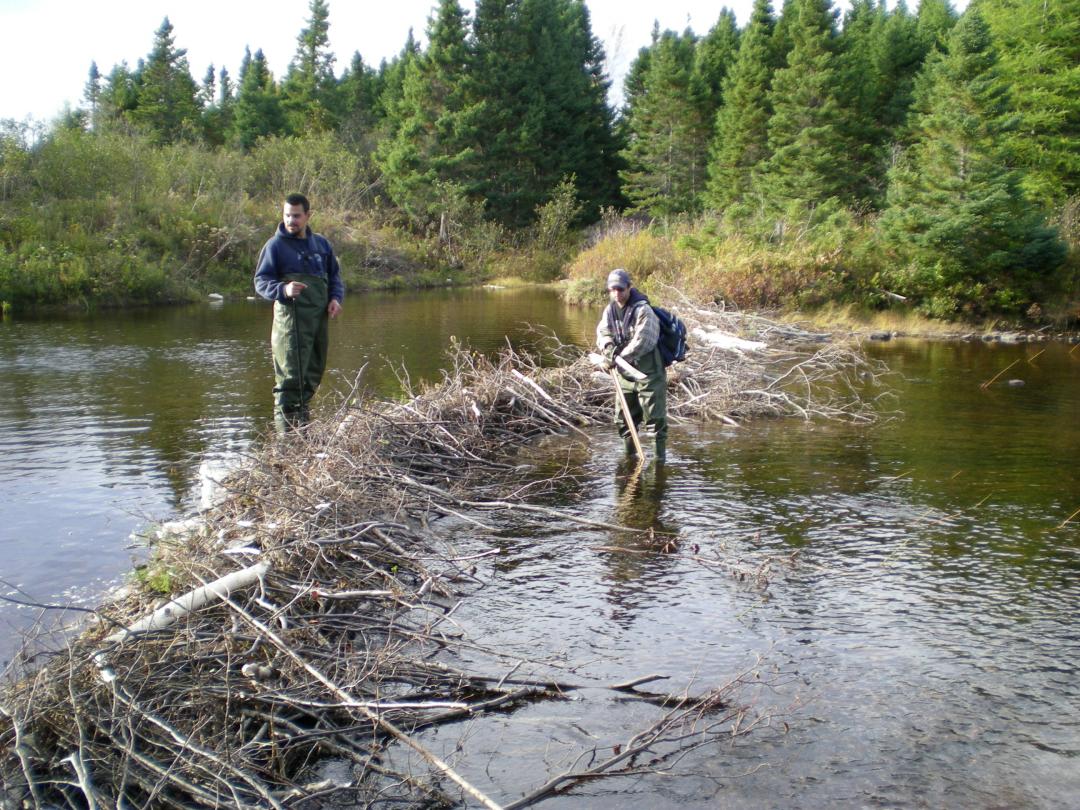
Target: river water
[920, 644]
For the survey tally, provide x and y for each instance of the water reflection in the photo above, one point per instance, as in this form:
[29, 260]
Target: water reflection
[636, 559]
[106, 417]
[928, 624]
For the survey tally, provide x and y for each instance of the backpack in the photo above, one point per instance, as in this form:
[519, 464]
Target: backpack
[672, 342]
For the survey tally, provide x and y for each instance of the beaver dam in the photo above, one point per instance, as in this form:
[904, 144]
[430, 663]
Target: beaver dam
[309, 617]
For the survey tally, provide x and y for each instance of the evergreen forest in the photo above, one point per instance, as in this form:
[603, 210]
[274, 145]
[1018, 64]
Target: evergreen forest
[916, 159]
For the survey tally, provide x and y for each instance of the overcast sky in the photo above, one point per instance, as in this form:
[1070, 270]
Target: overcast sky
[48, 45]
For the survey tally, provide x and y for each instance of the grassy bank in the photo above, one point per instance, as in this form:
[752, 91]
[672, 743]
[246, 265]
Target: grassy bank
[105, 220]
[97, 220]
[837, 274]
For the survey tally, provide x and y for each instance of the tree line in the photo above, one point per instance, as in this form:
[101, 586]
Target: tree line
[951, 140]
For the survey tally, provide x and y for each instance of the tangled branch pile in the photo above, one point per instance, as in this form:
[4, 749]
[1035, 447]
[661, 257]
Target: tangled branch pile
[310, 613]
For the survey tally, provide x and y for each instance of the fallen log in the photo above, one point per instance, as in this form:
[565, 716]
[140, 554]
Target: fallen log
[191, 601]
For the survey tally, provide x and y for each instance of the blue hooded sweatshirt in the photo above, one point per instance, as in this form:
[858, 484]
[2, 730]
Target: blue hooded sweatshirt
[284, 255]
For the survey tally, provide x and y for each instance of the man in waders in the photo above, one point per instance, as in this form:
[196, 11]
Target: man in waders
[630, 329]
[298, 271]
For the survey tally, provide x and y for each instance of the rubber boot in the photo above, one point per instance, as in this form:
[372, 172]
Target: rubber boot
[628, 443]
[286, 421]
[661, 448]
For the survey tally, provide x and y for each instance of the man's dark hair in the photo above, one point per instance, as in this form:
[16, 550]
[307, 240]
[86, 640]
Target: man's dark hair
[298, 199]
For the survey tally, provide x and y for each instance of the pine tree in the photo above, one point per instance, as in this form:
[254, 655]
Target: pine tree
[92, 91]
[433, 147]
[715, 55]
[956, 212]
[810, 156]
[257, 112]
[119, 96]
[740, 140]
[168, 104]
[667, 151]
[539, 73]
[1039, 44]
[570, 106]
[934, 20]
[308, 90]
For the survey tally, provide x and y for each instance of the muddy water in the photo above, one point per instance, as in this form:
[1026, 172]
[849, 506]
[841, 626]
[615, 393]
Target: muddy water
[917, 634]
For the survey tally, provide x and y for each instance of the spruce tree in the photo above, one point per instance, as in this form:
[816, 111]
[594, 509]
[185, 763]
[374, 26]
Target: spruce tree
[782, 40]
[119, 96]
[898, 56]
[308, 89]
[539, 73]
[1039, 46]
[257, 112]
[668, 136]
[434, 142]
[570, 106]
[934, 20]
[879, 56]
[92, 91]
[957, 219]
[810, 155]
[501, 80]
[358, 91]
[168, 104]
[715, 55]
[390, 81]
[740, 140]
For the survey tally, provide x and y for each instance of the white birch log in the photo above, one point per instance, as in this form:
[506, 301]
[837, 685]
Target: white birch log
[193, 600]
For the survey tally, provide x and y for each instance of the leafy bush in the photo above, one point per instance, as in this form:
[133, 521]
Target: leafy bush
[642, 254]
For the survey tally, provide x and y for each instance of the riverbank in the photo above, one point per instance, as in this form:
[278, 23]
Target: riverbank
[333, 639]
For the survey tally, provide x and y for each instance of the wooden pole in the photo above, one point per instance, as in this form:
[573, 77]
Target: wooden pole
[626, 414]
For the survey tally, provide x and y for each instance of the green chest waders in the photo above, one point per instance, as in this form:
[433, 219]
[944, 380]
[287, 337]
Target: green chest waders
[299, 341]
[647, 401]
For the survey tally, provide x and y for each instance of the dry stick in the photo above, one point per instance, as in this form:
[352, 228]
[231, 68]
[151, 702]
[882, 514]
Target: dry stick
[383, 723]
[77, 758]
[547, 412]
[638, 743]
[187, 744]
[626, 414]
[1069, 518]
[990, 382]
[20, 749]
[628, 686]
[521, 507]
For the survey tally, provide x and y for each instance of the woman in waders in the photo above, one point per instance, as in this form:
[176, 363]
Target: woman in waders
[299, 272]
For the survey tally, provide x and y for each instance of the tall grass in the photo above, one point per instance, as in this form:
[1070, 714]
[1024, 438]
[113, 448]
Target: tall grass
[710, 260]
[103, 219]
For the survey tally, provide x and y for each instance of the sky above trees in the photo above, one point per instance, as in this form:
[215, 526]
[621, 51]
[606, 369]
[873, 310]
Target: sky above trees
[49, 44]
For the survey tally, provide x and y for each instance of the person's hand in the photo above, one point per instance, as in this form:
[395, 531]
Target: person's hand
[333, 308]
[294, 288]
[609, 357]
